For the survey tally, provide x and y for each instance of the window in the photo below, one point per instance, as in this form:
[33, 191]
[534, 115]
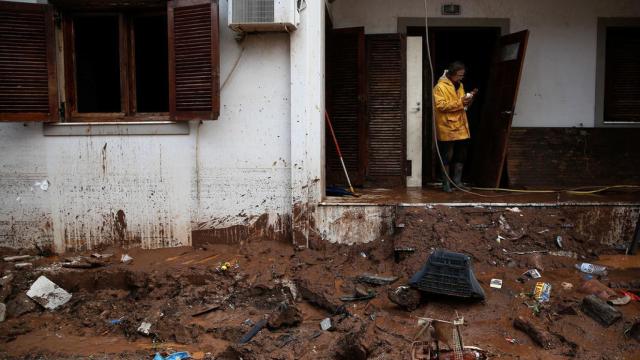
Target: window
[122, 61]
[622, 75]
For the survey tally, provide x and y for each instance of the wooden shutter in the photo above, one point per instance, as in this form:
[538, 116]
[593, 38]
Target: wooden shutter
[386, 109]
[194, 60]
[28, 87]
[622, 75]
[345, 105]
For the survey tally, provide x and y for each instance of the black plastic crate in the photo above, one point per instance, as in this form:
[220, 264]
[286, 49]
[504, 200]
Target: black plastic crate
[448, 273]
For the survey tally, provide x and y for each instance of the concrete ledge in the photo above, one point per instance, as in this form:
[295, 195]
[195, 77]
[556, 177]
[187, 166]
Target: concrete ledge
[116, 128]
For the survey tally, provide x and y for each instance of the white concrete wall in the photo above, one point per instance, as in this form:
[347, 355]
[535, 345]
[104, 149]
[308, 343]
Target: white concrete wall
[224, 173]
[558, 83]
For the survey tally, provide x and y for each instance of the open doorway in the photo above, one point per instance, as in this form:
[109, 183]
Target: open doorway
[475, 47]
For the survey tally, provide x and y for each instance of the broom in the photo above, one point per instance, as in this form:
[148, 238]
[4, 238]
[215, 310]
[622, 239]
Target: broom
[335, 141]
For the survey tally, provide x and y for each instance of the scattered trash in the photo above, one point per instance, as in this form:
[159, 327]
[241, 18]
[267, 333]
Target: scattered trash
[567, 226]
[624, 300]
[405, 297]
[144, 328]
[376, 279]
[448, 273]
[542, 292]
[23, 265]
[116, 321]
[529, 274]
[16, 258]
[3, 312]
[564, 253]
[529, 252]
[559, 241]
[600, 311]
[126, 259]
[360, 293]
[514, 209]
[363, 254]
[225, 266]
[496, 283]
[499, 239]
[48, 294]
[284, 315]
[567, 286]
[253, 331]
[511, 340]
[543, 231]
[588, 268]
[101, 256]
[175, 356]
[326, 324]
[631, 295]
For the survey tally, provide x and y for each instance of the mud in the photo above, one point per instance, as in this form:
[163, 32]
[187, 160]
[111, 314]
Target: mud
[294, 290]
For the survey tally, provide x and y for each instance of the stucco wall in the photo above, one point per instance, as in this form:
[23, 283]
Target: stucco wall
[153, 190]
[558, 82]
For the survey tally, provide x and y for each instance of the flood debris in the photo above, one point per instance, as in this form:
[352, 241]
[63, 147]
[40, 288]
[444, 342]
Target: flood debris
[253, 331]
[46, 293]
[16, 258]
[634, 330]
[496, 283]
[542, 292]
[24, 265]
[285, 315]
[406, 297]
[600, 311]
[326, 324]
[145, 328]
[360, 293]
[529, 274]
[448, 273]
[588, 268]
[377, 279]
[126, 259]
[3, 312]
[538, 335]
[595, 287]
[448, 333]
[180, 355]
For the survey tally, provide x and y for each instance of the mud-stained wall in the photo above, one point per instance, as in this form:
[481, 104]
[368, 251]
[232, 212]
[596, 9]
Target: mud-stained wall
[154, 190]
[355, 224]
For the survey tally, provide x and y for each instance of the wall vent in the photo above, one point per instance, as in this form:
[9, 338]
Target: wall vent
[451, 9]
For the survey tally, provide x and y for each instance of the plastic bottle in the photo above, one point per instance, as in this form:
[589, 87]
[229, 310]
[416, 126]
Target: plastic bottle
[592, 269]
[467, 96]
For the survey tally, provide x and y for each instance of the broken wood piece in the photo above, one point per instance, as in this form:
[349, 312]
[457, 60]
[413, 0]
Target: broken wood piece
[207, 310]
[600, 311]
[17, 257]
[539, 336]
[377, 280]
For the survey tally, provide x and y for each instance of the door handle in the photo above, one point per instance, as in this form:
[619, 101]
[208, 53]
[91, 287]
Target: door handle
[507, 112]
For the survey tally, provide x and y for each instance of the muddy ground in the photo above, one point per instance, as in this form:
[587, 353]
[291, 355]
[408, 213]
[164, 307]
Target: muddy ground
[295, 289]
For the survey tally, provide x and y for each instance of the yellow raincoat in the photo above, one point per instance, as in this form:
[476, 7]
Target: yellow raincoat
[451, 118]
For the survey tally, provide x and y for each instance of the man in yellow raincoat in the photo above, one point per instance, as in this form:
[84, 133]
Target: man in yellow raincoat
[452, 126]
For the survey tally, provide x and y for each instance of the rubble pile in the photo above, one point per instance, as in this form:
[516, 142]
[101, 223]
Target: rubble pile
[268, 300]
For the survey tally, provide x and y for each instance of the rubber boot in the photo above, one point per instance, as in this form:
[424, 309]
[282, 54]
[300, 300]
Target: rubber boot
[457, 173]
[446, 185]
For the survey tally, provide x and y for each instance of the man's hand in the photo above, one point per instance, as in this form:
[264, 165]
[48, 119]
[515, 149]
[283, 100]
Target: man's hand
[466, 101]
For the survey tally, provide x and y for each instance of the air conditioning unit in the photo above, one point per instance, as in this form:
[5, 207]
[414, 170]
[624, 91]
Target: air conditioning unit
[263, 15]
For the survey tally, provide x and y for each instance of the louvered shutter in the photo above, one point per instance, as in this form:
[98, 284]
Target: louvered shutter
[28, 87]
[194, 60]
[386, 109]
[622, 75]
[345, 104]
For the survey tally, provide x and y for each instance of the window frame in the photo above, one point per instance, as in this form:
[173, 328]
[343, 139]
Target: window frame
[601, 55]
[126, 49]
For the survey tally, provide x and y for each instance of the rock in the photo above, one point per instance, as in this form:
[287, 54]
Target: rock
[284, 315]
[318, 296]
[600, 311]
[5, 287]
[20, 305]
[406, 297]
[539, 336]
[595, 287]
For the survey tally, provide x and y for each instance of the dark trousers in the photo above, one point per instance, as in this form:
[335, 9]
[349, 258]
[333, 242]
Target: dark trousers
[453, 151]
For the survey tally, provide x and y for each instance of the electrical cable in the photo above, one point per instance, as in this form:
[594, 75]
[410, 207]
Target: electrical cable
[575, 191]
